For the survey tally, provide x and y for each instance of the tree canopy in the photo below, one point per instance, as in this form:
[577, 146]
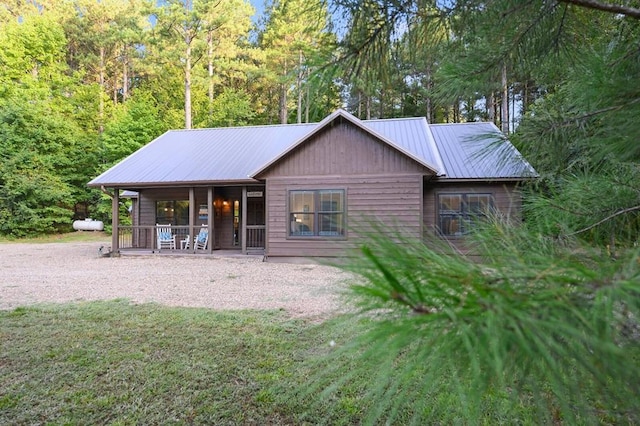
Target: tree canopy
[559, 77]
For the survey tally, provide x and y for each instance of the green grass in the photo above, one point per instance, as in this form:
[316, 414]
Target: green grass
[69, 237]
[117, 363]
[123, 364]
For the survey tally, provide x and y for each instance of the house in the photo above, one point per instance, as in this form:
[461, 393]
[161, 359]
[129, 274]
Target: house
[307, 189]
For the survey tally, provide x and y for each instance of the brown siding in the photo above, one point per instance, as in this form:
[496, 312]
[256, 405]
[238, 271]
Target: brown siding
[344, 149]
[507, 199]
[393, 199]
[380, 184]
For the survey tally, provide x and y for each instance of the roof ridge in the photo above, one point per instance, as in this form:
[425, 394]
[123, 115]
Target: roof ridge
[458, 124]
[254, 126]
[394, 119]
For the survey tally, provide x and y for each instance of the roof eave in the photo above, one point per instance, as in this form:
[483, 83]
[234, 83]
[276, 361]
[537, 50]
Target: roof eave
[486, 179]
[228, 182]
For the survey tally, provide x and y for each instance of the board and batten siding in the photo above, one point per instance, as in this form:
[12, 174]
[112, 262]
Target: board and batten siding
[506, 198]
[344, 149]
[393, 200]
[380, 183]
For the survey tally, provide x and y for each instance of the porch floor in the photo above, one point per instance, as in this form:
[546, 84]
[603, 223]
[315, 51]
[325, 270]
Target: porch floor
[259, 254]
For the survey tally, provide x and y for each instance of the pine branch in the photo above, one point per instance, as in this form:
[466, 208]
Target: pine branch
[631, 12]
[618, 213]
[590, 114]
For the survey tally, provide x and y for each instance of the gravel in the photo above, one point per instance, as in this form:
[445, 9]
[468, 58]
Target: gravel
[71, 272]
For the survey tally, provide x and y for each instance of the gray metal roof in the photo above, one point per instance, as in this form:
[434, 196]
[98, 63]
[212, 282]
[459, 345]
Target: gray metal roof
[203, 155]
[411, 137]
[235, 154]
[478, 151]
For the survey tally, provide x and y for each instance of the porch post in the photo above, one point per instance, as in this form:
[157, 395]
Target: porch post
[210, 217]
[115, 221]
[192, 216]
[244, 220]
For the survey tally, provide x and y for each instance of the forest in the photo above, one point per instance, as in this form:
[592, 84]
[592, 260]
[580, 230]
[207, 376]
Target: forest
[545, 330]
[84, 83]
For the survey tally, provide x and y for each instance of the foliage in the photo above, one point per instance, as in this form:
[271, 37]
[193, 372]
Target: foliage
[114, 362]
[132, 126]
[231, 108]
[297, 41]
[535, 333]
[42, 169]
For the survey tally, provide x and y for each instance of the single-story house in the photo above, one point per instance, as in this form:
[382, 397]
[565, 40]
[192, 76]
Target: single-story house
[303, 190]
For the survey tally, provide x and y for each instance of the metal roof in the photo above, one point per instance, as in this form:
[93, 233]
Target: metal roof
[235, 154]
[202, 156]
[479, 151]
[412, 138]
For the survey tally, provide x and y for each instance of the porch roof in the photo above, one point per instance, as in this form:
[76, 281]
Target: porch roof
[234, 155]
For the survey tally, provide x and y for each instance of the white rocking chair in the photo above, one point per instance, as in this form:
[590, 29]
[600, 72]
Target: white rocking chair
[202, 239]
[166, 239]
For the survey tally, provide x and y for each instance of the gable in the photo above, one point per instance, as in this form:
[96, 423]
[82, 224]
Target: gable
[342, 148]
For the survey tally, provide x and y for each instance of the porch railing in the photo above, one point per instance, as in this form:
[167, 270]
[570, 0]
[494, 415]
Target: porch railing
[145, 237]
[255, 237]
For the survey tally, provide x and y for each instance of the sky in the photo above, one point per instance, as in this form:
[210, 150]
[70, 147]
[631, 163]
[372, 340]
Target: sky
[258, 5]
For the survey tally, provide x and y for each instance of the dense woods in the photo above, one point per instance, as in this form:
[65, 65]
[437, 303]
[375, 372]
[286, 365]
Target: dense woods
[545, 331]
[86, 82]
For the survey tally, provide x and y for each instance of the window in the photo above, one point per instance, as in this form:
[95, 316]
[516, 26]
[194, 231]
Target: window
[317, 213]
[457, 212]
[172, 212]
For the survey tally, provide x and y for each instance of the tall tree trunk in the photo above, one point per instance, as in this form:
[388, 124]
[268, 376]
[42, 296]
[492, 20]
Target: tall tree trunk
[125, 73]
[428, 106]
[306, 105]
[210, 70]
[102, 90]
[299, 84]
[504, 109]
[456, 111]
[368, 107]
[187, 85]
[360, 104]
[283, 96]
[491, 107]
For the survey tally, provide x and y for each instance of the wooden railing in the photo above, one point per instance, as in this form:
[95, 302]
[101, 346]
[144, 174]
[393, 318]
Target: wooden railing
[255, 237]
[145, 237]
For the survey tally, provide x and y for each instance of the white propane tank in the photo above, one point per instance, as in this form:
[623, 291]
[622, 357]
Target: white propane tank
[88, 225]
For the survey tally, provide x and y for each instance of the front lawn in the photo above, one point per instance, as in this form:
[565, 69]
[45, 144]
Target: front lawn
[117, 363]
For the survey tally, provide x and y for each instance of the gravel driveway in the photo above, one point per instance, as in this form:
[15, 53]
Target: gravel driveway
[68, 272]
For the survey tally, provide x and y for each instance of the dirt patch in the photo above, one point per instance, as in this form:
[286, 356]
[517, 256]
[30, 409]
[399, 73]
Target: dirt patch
[69, 272]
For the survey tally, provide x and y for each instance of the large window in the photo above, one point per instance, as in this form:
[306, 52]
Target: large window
[458, 212]
[317, 213]
[172, 212]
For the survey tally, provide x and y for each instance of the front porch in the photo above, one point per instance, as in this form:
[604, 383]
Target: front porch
[143, 239]
[230, 218]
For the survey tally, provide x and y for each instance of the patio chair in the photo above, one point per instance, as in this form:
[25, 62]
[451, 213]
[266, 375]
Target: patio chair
[201, 240]
[184, 244]
[166, 239]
